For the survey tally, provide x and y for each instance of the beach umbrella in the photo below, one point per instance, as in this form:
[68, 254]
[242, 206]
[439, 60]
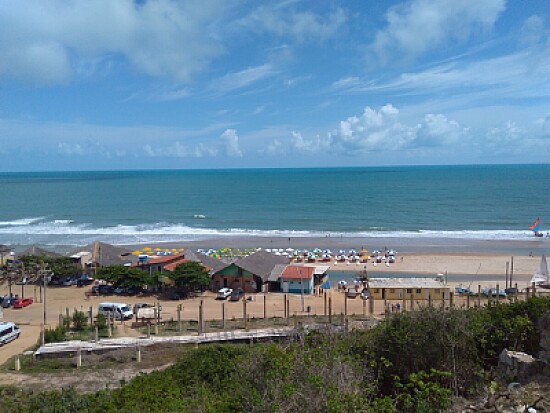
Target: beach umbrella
[352, 252]
[158, 249]
[327, 251]
[146, 249]
[137, 252]
[392, 252]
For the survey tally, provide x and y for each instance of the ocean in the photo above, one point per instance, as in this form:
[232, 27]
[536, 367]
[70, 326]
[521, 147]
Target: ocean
[131, 207]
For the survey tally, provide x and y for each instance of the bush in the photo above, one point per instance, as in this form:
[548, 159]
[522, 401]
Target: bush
[54, 335]
[80, 320]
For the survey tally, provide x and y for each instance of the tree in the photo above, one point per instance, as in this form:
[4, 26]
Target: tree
[62, 267]
[122, 276]
[189, 276]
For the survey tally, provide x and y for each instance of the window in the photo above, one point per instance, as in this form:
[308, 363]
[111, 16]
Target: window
[392, 290]
[419, 291]
[409, 290]
[437, 291]
[376, 290]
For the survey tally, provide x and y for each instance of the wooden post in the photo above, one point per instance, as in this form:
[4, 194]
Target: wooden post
[18, 363]
[516, 293]
[156, 329]
[79, 358]
[404, 302]
[451, 299]
[285, 305]
[199, 321]
[429, 300]
[245, 318]
[507, 270]
[67, 312]
[498, 292]
[223, 316]
[325, 303]
[345, 304]
[91, 315]
[60, 320]
[148, 329]
[443, 301]
[138, 353]
[364, 308]
[96, 333]
[330, 309]
[265, 306]
[527, 294]
[371, 306]
[479, 295]
[158, 312]
[468, 301]
[109, 327]
[287, 309]
[534, 288]
[179, 318]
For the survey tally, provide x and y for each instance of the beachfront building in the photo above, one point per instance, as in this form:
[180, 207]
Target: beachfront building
[400, 288]
[101, 254]
[161, 263]
[297, 279]
[251, 273]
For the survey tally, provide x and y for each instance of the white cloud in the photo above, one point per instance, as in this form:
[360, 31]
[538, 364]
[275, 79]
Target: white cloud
[543, 126]
[313, 145]
[45, 41]
[373, 131]
[418, 26]
[243, 78]
[285, 21]
[231, 142]
[437, 130]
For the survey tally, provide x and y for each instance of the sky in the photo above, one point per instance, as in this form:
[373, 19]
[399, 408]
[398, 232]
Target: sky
[177, 84]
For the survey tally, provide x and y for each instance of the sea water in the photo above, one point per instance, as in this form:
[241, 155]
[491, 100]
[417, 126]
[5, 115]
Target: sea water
[128, 207]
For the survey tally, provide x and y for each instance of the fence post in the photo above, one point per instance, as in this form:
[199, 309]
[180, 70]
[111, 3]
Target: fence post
[479, 295]
[18, 363]
[265, 306]
[498, 292]
[330, 310]
[138, 353]
[325, 303]
[534, 287]
[245, 318]
[79, 358]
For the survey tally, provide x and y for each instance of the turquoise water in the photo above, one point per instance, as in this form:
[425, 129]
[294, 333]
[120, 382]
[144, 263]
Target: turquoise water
[485, 202]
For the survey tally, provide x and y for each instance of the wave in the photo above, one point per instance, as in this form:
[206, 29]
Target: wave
[30, 231]
[21, 222]
[199, 216]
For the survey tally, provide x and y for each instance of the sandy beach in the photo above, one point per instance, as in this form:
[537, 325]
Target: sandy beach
[468, 269]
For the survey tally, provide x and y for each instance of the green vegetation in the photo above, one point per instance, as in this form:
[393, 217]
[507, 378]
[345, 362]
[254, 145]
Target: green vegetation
[122, 276]
[413, 362]
[189, 276]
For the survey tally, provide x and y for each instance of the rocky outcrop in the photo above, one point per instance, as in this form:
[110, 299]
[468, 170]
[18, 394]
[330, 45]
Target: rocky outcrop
[517, 365]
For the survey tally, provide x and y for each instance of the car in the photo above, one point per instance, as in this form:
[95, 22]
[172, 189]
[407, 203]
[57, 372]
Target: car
[463, 291]
[236, 294]
[224, 293]
[84, 280]
[67, 282]
[365, 294]
[103, 289]
[351, 293]
[22, 302]
[7, 301]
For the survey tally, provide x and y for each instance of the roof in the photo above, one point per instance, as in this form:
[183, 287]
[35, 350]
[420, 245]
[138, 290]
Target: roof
[297, 272]
[213, 263]
[319, 269]
[260, 263]
[276, 272]
[171, 266]
[424, 282]
[37, 251]
[107, 254]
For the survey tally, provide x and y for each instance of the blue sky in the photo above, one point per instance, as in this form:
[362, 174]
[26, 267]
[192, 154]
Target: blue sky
[103, 84]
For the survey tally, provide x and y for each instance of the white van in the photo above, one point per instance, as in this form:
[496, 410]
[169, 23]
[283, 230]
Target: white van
[116, 311]
[8, 332]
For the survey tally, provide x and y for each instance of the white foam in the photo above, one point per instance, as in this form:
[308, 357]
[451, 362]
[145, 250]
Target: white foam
[20, 222]
[63, 231]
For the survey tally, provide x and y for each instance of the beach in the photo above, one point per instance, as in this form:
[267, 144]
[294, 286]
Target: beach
[468, 269]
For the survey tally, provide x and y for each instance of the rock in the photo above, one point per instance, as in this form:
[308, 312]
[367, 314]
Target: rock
[517, 365]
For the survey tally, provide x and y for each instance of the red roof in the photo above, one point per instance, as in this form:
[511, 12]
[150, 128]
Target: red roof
[172, 266]
[297, 272]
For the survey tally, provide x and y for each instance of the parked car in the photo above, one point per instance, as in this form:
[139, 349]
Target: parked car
[463, 291]
[22, 302]
[23, 281]
[84, 280]
[103, 289]
[67, 282]
[7, 301]
[236, 294]
[351, 293]
[224, 293]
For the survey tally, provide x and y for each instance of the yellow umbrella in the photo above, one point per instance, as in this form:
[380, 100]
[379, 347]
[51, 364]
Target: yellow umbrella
[137, 252]
[146, 249]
